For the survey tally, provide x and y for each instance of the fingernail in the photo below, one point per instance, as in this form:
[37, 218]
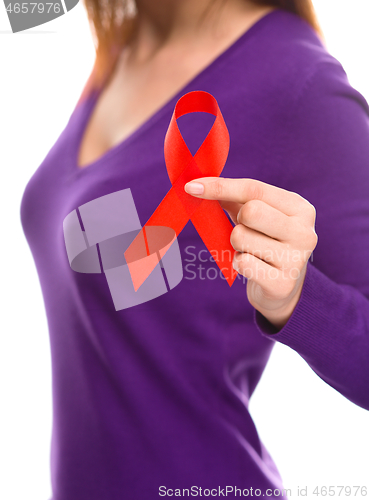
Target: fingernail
[194, 188]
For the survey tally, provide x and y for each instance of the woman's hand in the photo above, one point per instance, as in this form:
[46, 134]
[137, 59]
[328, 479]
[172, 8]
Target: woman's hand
[274, 236]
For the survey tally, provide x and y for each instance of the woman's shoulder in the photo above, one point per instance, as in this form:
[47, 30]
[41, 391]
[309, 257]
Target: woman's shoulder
[281, 56]
[291, 42]
[306, 64]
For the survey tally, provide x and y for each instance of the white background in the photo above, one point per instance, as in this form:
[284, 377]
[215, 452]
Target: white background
[314, 434]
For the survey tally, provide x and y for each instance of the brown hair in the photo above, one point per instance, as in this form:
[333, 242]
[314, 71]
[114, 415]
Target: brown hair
[303, 8]
[111, 22]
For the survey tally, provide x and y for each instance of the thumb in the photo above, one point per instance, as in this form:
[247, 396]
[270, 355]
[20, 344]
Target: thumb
[232, 208]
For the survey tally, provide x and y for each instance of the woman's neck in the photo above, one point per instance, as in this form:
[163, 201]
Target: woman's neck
[175, 22]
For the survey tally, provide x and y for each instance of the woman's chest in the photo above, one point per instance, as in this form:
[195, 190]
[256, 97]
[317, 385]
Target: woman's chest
[129, 98]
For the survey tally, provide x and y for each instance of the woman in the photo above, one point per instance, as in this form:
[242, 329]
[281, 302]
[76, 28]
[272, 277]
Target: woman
[152, 400]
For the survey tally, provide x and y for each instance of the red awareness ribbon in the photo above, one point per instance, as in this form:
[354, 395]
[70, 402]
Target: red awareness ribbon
[178, 207]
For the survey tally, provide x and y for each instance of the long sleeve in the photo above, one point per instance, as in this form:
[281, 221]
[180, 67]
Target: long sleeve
[326, 160]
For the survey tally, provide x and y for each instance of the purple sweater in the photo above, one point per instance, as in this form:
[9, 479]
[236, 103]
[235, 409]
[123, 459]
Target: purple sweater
[156, 395]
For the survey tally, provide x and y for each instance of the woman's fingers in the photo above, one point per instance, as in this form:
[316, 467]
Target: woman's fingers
[246, 240]
[259, 272]
[260, 216]
[268, 286]
[244, 190]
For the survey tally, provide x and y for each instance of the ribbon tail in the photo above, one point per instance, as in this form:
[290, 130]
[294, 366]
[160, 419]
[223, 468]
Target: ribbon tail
[148, 247]
[215, 229]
